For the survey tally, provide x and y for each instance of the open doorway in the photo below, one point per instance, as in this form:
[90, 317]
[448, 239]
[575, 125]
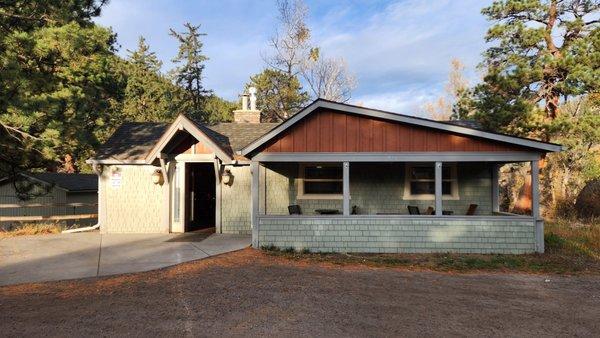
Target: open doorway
[200, 197]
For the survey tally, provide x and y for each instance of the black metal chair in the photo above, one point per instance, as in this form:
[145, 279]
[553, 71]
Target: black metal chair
[413, 210]
[294, 209]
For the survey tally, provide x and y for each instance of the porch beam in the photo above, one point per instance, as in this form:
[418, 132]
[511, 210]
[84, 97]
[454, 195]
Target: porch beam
[400, 157]
[346, 188]
[254, 171]
[438, 188]
[495, 188]
[535, 206]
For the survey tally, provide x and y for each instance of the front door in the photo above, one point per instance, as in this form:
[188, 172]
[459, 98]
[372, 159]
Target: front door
[200, 196]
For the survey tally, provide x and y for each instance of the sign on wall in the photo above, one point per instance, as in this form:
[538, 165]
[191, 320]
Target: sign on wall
[115, 179]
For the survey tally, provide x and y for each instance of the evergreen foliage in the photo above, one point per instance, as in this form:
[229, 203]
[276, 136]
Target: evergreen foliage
[279, 95]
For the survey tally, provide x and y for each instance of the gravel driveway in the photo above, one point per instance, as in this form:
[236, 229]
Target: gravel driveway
[250, 293]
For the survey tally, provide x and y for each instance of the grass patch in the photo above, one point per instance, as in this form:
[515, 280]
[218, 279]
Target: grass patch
[571, 248]
[32, 229]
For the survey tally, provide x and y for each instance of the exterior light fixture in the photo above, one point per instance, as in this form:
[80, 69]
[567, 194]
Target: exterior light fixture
[157, 177]
[227, 177]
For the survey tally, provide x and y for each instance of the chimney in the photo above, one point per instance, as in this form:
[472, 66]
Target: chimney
[247, 115]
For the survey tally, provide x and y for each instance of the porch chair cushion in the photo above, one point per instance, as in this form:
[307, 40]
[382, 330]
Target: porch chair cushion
[413, 210]
[471, 210]
[294, 209]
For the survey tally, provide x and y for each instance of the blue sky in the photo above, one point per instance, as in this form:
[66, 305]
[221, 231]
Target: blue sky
[400, 51]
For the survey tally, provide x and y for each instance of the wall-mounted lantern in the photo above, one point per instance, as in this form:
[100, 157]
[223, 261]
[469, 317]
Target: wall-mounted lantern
[157, 177]
[227, 177]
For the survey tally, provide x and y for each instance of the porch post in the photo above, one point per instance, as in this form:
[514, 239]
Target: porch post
[495, 188]
[438, 188]
[218, 167]
[535, 206]
[346, 188]
[254, 171]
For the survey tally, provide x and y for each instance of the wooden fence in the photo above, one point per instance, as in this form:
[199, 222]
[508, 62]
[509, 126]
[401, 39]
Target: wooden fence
[46, 218]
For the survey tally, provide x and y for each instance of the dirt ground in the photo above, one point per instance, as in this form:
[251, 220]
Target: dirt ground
[250, 293]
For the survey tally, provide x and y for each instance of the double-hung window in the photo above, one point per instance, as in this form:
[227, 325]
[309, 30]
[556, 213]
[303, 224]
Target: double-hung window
[320, 181]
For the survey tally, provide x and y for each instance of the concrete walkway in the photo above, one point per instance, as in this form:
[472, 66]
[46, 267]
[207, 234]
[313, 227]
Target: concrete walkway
[66, 256]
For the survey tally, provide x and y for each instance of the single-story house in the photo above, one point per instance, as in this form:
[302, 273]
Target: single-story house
[333, 177]
[54, 194]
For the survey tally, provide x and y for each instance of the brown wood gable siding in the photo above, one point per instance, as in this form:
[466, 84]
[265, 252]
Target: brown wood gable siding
[185, 146]
[328, 131]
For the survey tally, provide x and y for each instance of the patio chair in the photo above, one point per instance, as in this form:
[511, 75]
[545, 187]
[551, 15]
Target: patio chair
[430, 211]
[471, 210]
[413, 210]
[294, 209]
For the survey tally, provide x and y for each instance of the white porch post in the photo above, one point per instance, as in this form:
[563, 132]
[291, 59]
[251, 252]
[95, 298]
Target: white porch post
[438, 188]
[254, 171]
[495, 188]
[346, 188]
[535, 206]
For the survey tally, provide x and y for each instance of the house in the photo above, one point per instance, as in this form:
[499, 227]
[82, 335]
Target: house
[55, 193]
[333, 177]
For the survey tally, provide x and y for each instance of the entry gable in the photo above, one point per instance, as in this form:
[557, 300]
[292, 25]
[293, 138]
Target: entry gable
[326, 126]
[193, 132]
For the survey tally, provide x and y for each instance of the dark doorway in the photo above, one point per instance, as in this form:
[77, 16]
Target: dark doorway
[200, 196]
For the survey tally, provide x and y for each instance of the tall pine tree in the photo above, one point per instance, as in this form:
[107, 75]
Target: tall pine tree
[188, 72]
[543, 53]
[60, 84]
[149, 94]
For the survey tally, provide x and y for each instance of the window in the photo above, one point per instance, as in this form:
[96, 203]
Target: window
[320, 181]
[419, 183]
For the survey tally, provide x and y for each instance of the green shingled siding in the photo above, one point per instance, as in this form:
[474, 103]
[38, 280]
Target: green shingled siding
[408, 235]
[235, 202]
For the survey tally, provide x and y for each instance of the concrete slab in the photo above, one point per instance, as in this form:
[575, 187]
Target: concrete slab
[67, 256]
[50, 257]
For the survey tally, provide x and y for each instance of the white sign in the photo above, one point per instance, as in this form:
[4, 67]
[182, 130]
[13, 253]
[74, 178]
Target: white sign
[115, 180]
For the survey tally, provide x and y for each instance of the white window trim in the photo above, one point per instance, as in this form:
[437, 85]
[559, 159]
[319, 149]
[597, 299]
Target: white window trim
[430, 197]
[301, 195]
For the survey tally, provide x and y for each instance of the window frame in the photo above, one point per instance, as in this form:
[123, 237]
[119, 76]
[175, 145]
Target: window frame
[301, 179]
[454, 195]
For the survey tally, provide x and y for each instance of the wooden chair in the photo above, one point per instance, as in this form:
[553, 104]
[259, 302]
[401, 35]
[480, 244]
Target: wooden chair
[430, 211]
[413, 210]
[472, 209]
[294, 209]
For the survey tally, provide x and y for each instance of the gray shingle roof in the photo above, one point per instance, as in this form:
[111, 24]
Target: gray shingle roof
[134, 140]
[131, 141]
[466, 123]
[69, 182]
[238, 135]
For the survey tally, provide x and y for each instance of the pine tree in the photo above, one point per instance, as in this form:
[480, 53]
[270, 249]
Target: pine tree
[278, 95]
[149, 94]
[543, 52]
[188, 73]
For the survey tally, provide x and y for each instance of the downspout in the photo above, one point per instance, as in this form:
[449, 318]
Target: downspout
[97, 168]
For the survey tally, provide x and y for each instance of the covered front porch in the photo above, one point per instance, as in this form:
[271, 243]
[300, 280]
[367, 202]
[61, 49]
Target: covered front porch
[444, 202]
